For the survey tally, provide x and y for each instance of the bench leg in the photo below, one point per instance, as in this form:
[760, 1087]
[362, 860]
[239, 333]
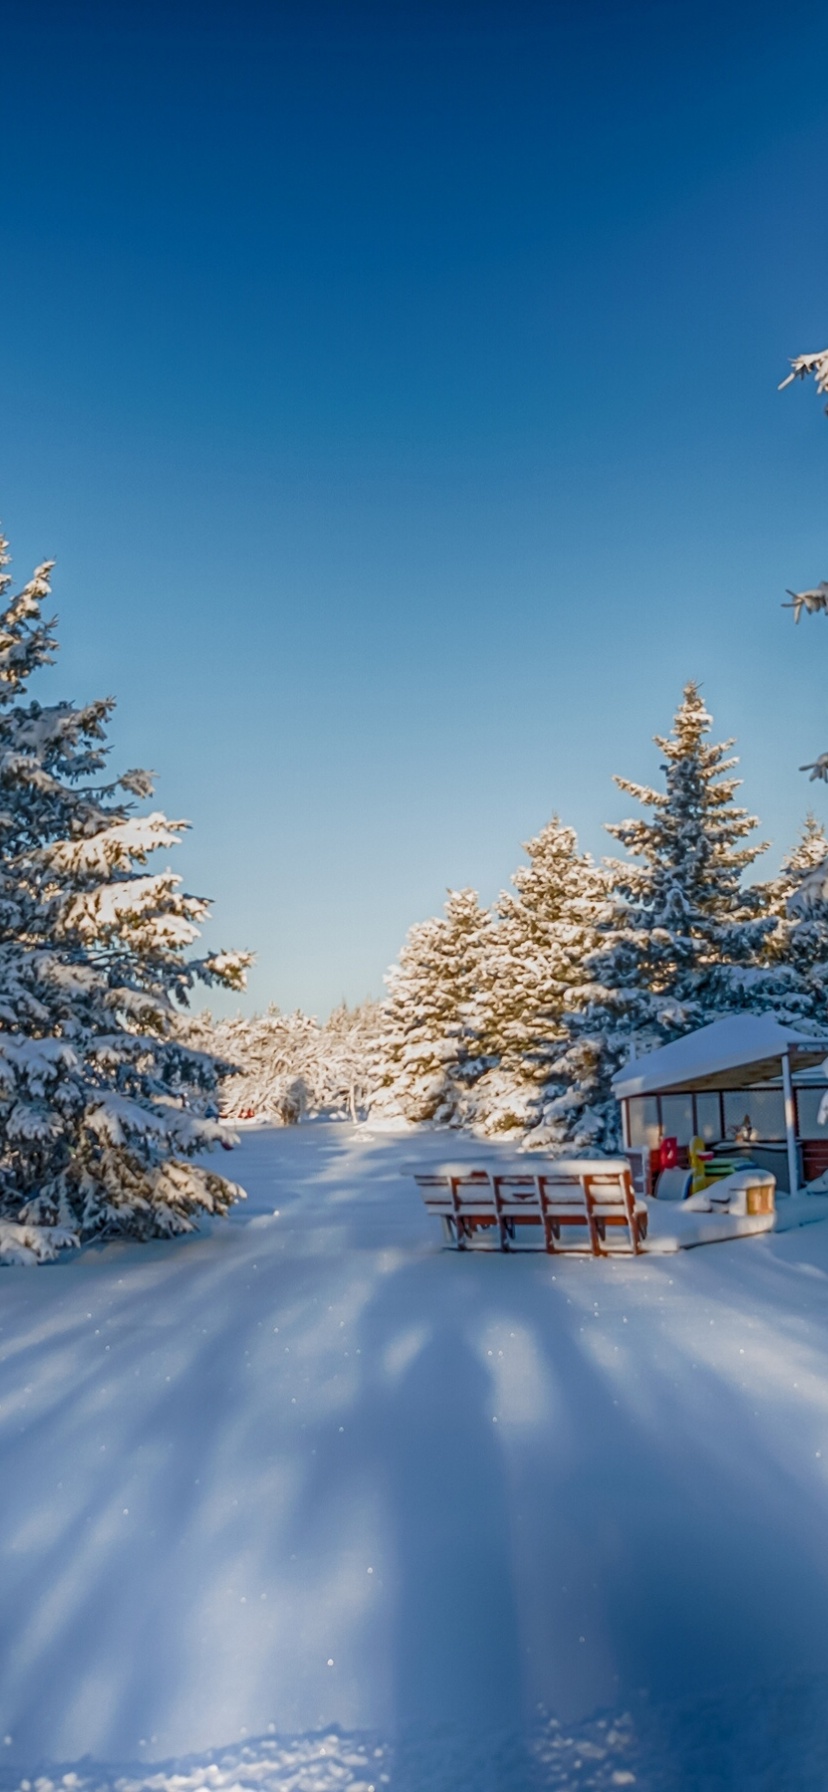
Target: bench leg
[598, 1250]
[632, 1221]
[458, 1223]
[507, 1233]
[502, 1239]
[549, 1229]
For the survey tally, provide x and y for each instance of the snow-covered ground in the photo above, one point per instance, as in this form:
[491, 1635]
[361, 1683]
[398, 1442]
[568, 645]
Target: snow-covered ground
[310, 1502]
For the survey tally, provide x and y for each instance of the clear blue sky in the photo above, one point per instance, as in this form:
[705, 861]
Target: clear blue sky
[395, 386]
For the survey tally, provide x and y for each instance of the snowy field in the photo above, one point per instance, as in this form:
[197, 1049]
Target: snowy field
[308, 1502]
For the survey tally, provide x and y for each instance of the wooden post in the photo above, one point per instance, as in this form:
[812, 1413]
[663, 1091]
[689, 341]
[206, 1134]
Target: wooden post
[790, 1123]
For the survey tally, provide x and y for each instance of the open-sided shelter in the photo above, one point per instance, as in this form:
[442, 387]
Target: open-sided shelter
[747, 1082]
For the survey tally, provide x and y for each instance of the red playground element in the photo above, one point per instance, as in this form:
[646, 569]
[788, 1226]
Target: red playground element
[668, 1154]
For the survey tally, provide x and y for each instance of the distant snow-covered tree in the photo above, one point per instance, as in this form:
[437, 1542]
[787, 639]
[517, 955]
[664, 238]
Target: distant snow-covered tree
[430, 1049]
[103, 1105]
[290, 1067]
[350, 1059]
[276, 1057]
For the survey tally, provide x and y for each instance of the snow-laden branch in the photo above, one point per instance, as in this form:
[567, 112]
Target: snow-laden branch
[818, 768]
[813, 601]
[804, 367]
[116, 848]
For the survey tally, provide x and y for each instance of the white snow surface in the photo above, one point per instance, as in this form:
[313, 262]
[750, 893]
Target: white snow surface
[308, 1501]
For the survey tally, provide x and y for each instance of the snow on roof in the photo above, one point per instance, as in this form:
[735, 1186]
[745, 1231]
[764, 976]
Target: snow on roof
[744, 1048]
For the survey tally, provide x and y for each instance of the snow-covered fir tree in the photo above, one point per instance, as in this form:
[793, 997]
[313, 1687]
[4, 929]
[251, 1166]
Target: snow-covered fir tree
[533, 970]
[430, 1052]
[683, 941]
[797, 950]
[103, 1104]
[517, 1021]
[687, 938]
[814, 601]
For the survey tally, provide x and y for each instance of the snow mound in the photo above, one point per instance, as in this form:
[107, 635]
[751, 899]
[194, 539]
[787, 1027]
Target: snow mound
[587, 1757]
[27, 1245]
[729, 1741]
[389, 1123]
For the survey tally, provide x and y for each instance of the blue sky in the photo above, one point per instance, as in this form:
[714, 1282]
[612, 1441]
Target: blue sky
[395, 387]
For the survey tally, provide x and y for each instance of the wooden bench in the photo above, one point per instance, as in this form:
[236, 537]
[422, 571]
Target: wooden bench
[584, 1197]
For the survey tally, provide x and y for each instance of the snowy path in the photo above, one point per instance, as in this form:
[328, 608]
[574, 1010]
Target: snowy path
[310, 1470]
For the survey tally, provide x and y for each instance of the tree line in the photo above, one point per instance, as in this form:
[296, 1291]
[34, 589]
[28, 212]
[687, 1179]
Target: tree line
[513, 1019]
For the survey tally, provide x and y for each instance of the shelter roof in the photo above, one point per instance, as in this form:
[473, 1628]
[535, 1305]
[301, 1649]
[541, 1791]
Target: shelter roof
[727, 1054]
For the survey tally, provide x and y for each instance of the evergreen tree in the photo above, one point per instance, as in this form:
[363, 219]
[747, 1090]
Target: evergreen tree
[103, 1104]
[681, 940]
[686, 939]
[546, 927]
[815, 600]
[576, 1114]
[429, 1047]
[797, 950]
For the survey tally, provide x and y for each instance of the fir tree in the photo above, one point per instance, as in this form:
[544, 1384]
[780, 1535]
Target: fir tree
[797, 950]
[103, 1104]
[546, 927]
[682, 940]
[429, 1043]
[814, 601]
[576, 1114]
[687, 938]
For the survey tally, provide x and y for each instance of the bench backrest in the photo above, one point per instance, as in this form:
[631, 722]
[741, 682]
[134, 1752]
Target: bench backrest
[570, 1182]
[516, 1194]
[574, 1187]
[435, 1190]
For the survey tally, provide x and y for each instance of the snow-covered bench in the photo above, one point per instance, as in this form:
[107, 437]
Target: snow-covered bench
[589, 1196]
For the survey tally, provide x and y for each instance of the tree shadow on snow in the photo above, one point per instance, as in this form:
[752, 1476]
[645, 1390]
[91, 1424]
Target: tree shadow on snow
[560, 1509]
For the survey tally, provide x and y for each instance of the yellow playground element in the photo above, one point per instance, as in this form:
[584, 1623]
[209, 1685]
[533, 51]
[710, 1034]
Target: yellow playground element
[707, 1167]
